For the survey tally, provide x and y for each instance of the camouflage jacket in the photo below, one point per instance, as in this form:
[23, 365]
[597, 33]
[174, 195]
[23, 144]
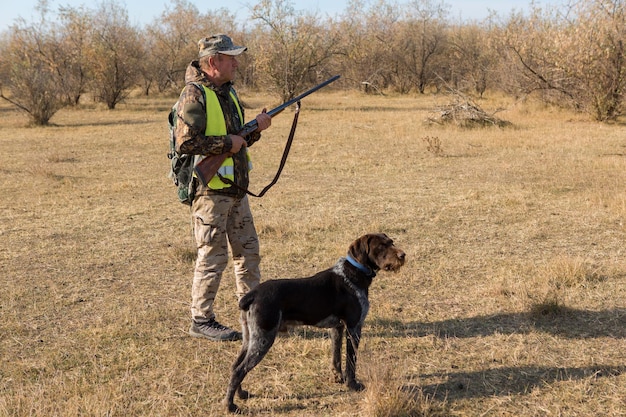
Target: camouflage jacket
[190, 137]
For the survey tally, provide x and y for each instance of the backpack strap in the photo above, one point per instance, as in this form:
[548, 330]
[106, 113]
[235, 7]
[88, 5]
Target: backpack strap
[201, 88]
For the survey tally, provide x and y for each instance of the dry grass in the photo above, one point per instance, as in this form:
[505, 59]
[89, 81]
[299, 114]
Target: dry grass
[511, 304]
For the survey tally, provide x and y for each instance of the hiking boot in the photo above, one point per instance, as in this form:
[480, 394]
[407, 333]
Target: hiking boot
[212, 330]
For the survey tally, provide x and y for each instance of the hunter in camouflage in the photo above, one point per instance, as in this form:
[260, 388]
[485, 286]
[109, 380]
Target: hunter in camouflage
[221, 217]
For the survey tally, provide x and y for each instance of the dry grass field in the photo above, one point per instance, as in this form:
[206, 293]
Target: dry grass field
[512, 302]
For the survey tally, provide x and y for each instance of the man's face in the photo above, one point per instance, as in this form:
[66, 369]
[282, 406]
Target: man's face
[225, 67]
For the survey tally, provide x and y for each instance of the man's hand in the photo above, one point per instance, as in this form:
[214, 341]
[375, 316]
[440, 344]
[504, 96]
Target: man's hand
[263, 120]
[238, 143]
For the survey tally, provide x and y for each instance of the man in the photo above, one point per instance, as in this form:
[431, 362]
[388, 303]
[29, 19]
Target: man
[210, 116]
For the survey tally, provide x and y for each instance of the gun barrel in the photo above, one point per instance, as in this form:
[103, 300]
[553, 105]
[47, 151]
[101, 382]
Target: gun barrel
[251, 126]
[303, 95]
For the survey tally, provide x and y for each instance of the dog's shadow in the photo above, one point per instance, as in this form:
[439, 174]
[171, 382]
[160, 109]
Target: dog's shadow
[501, 381]
[505, 381]
[565, 322]
[498, 380]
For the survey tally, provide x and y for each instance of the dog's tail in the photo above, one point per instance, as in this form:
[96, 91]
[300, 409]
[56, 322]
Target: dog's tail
[246, 300]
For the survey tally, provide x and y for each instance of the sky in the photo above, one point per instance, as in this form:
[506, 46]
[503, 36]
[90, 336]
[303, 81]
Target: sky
[144, 11]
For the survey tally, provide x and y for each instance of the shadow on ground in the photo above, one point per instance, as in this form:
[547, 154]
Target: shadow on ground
[566, 322]
[505, 381]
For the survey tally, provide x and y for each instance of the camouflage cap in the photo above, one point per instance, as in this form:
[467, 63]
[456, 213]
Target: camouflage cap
[218, 44]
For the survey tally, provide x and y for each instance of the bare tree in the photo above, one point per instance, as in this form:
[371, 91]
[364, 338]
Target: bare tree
[420, 40]
[115, 54]
[472, 58]
[32, 78]
[69, 62]
[574, 58]
[366, 32]
[172, 41]
[602, 47]
[294, 49]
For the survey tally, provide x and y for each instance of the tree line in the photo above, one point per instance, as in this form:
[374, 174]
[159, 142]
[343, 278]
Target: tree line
[572, 56]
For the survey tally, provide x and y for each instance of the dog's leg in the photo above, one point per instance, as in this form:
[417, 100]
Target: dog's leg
[241, 393]
[245, 332]
[353, 337]
[336, 336]
[233, 385]
[259, 343]
[245, 336]
[256, 352]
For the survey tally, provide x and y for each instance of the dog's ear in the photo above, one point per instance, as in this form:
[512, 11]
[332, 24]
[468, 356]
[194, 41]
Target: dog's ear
[359, 250]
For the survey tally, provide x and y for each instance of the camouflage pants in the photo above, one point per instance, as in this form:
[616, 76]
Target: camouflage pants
[220, 223]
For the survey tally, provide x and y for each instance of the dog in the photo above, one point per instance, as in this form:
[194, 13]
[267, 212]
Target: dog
[336, 298]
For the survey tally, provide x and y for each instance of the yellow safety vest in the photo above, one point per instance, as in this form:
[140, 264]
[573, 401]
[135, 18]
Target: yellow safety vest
[216, 126]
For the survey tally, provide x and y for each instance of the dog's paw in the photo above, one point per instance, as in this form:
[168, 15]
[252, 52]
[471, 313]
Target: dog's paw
[232, 408]
[337, 378]
[355, 385]
[243, 394]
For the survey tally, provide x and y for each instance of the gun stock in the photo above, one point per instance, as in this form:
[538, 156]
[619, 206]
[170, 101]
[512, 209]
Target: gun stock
[207, 167]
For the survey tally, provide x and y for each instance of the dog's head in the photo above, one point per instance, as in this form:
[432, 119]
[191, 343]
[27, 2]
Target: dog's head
[377, 251]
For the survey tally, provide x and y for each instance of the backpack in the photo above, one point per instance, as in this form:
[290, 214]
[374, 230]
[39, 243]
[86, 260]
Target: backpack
[181, 167]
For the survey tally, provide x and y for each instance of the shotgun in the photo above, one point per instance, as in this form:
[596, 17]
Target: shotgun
[207, 167]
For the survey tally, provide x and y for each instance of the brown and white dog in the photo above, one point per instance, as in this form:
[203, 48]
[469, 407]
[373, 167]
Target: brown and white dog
[336, 298]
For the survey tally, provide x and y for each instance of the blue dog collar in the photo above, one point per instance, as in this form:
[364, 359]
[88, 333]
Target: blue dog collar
[365, 269]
